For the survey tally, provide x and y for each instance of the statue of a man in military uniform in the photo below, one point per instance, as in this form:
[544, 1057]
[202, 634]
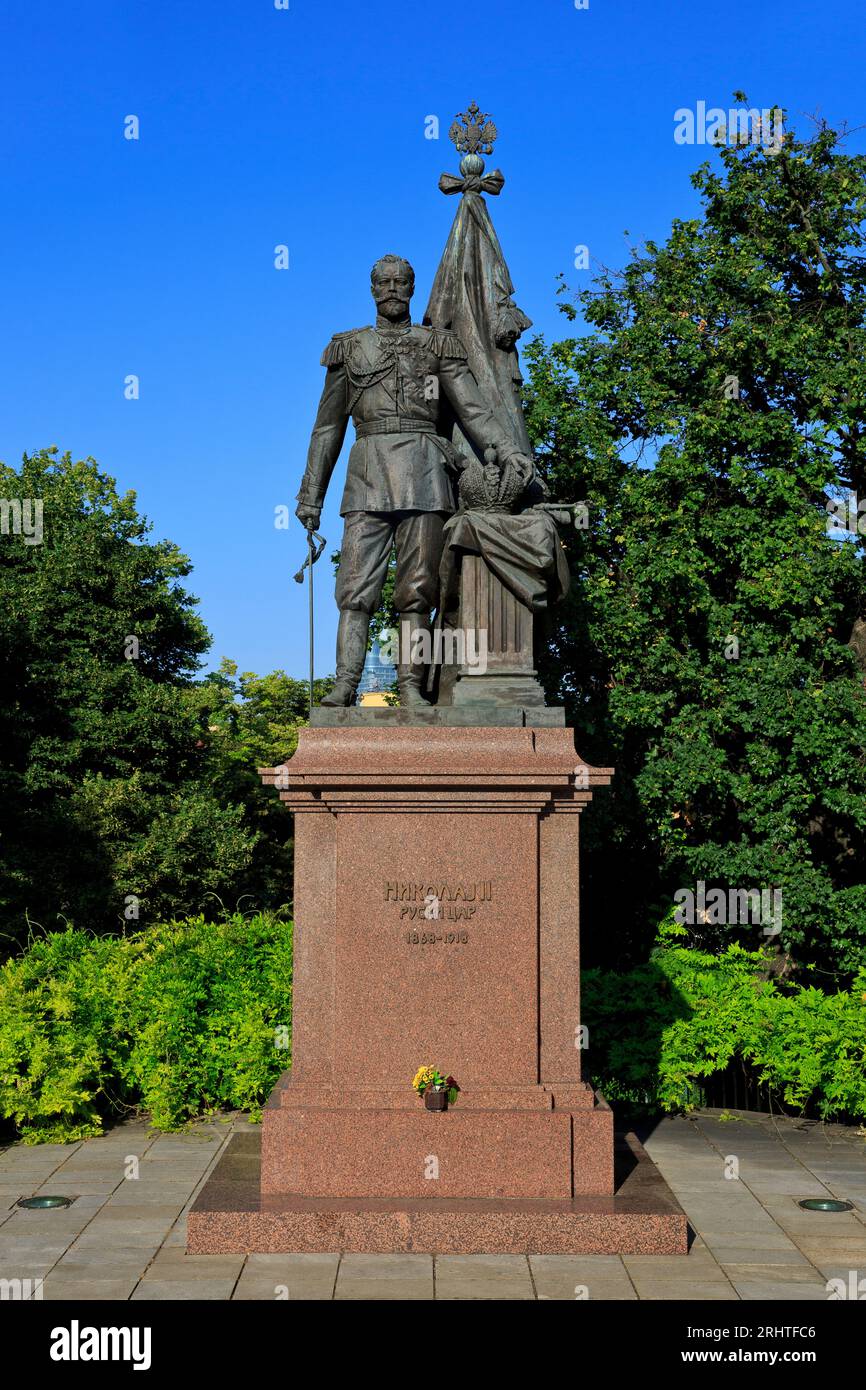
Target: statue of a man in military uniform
[400, 482]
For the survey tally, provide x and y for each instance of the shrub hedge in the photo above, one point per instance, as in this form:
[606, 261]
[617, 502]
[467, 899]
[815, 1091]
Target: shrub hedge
[194, 1017]
[182, 1019]
[656, 1032]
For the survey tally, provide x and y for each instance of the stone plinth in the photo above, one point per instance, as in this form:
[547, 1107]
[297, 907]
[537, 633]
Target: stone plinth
[231, 1215]
[436, 922]
[522, 1142]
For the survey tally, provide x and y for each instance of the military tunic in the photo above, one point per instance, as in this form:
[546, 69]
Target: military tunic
[401, 472]
[389, 382]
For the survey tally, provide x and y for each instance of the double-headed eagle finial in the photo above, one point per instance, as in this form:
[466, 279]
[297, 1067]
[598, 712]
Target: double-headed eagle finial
[473, 132]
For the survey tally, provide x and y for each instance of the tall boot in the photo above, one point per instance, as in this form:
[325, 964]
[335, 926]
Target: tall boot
[352, 634]
[410, 674]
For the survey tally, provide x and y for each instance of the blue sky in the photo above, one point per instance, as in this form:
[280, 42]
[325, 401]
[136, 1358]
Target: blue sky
[306, 127]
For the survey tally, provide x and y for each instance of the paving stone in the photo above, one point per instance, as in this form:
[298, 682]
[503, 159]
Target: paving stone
[715, 1231]
[176, 1173]
[104, 1263]
[176, 1264]
[852, 1276]
[836, 1254]
[694, 1265]
[117, 1238]
[26, 1269]
[769, 1187]
[32, 1246]
[823, 1226]
[31, 1173]
[176, 1236]
[483, 1277]
[385, 1277]
[62, 1181]
[759, 1254]
[645, 1281]
[598, 1292]
[680, 1293]
[87, 1189]
[565, 1276]
[302, 1276]
[97, 1290]
[793, 1274]
[788, 1276]
[313, 1266]
[201, 1151]
[21, 1227]
[161, 1290]
[122, 1137]
[720, 1242]
[256, 1289]
[708, 1189]
[149, 1213]
[770, 1292]
[165, 1194]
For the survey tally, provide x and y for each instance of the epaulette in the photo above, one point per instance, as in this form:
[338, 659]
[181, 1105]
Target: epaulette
[334, 354]
[445, 344]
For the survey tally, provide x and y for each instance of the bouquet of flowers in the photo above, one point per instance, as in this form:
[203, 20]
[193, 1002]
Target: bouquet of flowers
[430, 1078]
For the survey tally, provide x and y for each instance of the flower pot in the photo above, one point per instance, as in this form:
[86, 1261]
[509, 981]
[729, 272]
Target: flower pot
[436, 1100]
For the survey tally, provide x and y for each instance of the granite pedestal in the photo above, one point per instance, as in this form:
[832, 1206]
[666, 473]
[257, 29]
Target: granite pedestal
[436, 922]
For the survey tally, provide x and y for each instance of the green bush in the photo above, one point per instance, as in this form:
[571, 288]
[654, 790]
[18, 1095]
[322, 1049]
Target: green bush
[61, 1047]
[192, 1017]
[181, 1019]
[656, 1032]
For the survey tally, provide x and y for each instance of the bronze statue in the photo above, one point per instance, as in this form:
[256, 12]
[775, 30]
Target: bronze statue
[441, 469]
[391, 379]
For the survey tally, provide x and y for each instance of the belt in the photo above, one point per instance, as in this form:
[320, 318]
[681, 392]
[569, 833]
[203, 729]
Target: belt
[394, 424]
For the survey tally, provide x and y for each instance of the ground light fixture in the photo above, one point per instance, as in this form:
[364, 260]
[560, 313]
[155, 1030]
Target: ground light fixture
[39, 1203]
[825, 1204]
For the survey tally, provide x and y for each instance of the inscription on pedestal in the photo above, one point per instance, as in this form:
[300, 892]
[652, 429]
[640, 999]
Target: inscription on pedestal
[436, 902]
[406, 890]
[429, 938]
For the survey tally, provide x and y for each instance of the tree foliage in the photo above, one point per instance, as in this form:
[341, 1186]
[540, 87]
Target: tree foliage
[128, 789]
[712, 649]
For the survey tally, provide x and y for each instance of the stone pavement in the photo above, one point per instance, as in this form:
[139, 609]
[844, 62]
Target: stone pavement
[123, 1237]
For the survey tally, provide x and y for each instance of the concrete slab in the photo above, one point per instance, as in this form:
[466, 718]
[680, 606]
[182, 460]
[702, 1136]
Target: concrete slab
[753, 1243]
[483, 1277]
[385, 1277]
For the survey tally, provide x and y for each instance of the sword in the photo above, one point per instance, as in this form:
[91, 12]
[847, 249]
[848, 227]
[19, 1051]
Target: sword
[315, 546]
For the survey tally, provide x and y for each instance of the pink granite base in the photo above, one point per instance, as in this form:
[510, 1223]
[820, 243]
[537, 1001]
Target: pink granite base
[436, 921]
[231, 1216]
[526, 1143]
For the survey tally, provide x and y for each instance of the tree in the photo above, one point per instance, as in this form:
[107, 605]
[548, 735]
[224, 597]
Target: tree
[105, 814]
[251, 722]
[714, 648]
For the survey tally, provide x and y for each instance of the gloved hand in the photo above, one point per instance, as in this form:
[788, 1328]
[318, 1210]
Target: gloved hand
[308, 516]
[523, 466]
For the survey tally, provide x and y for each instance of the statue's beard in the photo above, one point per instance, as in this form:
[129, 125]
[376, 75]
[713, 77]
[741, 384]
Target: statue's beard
[393, 308]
